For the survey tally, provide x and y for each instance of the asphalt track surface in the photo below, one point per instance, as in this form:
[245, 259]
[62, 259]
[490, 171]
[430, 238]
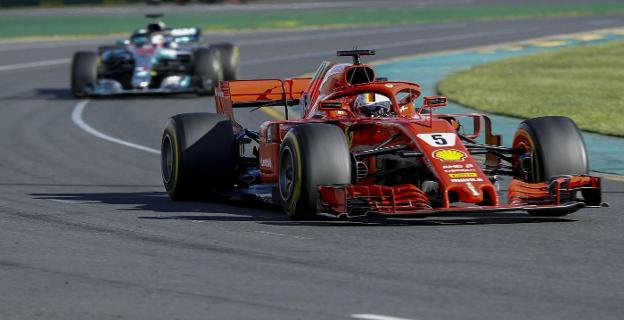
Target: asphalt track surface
[87, 232]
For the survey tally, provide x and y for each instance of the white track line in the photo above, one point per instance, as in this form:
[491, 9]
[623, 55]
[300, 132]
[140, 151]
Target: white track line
[370, 316]
[45, 63]
[282, 235]
[72, 201]
[77, 119]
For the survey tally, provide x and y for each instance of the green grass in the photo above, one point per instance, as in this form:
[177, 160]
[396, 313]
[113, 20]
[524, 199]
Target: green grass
[584, 83]
[52, 25]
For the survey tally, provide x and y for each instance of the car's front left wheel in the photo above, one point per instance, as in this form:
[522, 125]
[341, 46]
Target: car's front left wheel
[552, 146]
[311, 155]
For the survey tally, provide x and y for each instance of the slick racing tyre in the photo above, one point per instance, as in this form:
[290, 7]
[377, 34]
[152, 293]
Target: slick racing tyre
[230, 60]
[83, 73]
[311, 155]
[207, 70]
[197, 155]
[554, 147]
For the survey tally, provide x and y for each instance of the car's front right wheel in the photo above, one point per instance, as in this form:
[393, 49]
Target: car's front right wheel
[552, 146]
[230, 60]
[207, 70]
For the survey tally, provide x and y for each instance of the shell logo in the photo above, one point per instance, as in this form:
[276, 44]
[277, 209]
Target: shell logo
[449, 155]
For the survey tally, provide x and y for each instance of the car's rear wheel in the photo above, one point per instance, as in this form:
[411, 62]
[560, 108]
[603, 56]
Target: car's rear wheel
[83, 73]
[197, 155]
[553, 147]
[230, 60]
[207, 70]
[311, 155]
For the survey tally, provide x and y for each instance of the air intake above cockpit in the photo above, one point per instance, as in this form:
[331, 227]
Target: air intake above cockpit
[359, 73]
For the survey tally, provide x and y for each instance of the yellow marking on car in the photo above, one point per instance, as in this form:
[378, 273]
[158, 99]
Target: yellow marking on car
[349, 136]
[463, 175]
[176, 161]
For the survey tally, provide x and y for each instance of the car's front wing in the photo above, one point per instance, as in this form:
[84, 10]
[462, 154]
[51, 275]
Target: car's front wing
[109, 87]
[567, 193]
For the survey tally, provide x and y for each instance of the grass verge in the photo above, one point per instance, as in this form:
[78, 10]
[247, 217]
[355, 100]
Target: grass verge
[584, 83]
[56, 25]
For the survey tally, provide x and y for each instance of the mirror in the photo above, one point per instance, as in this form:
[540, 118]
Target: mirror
[435, 101]
[330, 105]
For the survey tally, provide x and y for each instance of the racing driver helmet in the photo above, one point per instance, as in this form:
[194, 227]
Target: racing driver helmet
[373, 105]
[157, 40]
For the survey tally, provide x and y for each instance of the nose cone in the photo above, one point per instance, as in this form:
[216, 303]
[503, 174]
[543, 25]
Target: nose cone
[141, 78]
[141, 81]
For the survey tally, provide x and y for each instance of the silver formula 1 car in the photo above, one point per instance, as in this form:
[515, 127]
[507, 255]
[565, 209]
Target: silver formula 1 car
[154, 59]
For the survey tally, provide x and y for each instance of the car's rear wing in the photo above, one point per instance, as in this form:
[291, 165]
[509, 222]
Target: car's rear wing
[258, 94]
[184, 35]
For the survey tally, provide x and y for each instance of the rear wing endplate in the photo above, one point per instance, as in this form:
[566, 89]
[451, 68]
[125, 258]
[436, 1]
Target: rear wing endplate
[258, 94]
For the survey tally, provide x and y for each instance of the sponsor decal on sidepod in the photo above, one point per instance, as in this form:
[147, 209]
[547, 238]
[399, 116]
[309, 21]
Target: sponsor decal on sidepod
[266, 163]
[467, 180]
[463, 175]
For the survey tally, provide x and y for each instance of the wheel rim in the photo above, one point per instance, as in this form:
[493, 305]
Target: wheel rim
[286, 174]
[167, 159]
[522, 141]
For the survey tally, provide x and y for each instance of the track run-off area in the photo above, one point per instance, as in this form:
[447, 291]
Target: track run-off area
[88, 231]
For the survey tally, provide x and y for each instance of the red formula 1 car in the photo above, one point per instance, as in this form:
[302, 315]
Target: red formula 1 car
[363, 146]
